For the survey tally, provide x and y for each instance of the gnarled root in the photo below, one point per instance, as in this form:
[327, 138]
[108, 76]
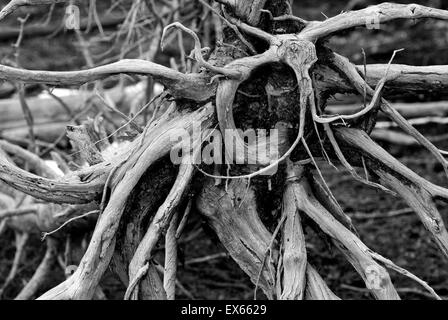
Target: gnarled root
[381, 13]
[233, 216]
[415, 190]
[350, 71]
[160, 222]
[169, 278]
[353, 248]
[155, 142]
[294, 252]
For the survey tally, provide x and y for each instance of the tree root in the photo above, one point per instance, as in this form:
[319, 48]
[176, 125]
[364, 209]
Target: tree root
[354, 77]
[169, 278]
[155, 143]
[160, 222]
[381, 13]
[190, 86]
[294, 252]
[415, 190]
[243, 235]
[231, 211]
[356, 252]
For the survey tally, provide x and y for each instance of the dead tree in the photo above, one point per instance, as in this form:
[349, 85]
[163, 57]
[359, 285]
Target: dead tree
[267, 67]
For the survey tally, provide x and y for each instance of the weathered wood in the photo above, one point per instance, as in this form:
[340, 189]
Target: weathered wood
[294, 250]
[407, 110]
[356, 252]
[154, 143]
[316, 288]
[232, 210]
[234, 217]
[418, 193]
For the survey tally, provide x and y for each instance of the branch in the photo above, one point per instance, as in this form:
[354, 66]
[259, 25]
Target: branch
[363, 142]
[415, 190]
[352, 247]
[190, 86]
[169, 278]
[48, 217]
[155, 142]
[69, 189]
[403, 78]
[15, 4]
[8, 213]
[348, 69]
[160, 223]
[331, 204]
[21, 240]
[197, 51]
[388, 263]
[232, 214]
[294, 250]
[36, 163]
[249, 10]
[422, 110]
[378, 14]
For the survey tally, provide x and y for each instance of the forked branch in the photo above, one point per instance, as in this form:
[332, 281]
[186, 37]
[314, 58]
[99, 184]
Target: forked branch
[378, 14]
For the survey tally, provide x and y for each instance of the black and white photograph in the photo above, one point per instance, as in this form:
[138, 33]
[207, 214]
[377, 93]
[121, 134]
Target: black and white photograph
[224, 154]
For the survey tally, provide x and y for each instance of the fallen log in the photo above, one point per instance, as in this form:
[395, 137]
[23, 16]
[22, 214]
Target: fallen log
[407, 110]
[51, 117]
[394, 137]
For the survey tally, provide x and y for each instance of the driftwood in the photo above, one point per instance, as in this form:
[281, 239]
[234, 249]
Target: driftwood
[242, 234]
[209, 97]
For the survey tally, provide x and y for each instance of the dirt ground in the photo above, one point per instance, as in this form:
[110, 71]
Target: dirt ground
[402, 239]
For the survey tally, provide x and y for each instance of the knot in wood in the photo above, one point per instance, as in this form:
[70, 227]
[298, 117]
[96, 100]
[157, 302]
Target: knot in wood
[299, 52]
